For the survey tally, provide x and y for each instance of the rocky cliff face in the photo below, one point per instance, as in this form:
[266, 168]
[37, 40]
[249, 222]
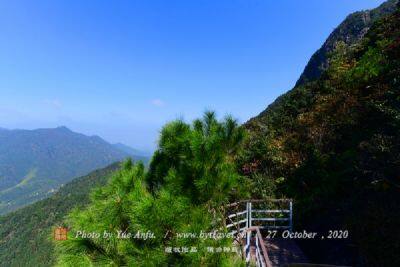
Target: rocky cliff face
[350, 31]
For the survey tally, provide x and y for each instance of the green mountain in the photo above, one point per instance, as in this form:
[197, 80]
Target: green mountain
[35, 163]
[333, 144]
[25, 234]
[350, 31]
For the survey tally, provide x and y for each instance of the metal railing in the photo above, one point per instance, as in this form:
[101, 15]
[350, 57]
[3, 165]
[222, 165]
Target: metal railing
[271, 214]
[249, 216]
[261, 254]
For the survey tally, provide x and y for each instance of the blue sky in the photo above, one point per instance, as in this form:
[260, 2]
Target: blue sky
[121, 69]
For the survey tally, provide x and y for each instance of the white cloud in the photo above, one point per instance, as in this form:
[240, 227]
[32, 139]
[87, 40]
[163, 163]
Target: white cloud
[55, 103]
[158, 102]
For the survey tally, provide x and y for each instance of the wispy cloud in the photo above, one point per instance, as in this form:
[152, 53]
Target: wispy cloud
[55, 103]
[157, 102]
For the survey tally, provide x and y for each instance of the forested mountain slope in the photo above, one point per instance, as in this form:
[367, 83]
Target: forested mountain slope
[25, 235]
[334, 146]
[350, 31]
[34, 163]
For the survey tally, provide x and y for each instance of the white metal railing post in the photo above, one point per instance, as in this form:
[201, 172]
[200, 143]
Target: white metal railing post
[248, 237]
[247, 215]
[247, 247]
[250, 215]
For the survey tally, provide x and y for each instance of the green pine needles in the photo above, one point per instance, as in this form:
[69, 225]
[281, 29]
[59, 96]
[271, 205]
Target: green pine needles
[164, 216]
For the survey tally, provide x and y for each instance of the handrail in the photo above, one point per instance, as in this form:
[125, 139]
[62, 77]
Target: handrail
[242, 219]
[258, 201]
[260, 215]
[260, 242]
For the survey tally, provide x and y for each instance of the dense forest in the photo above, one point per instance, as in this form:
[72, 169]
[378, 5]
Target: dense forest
[333, 145]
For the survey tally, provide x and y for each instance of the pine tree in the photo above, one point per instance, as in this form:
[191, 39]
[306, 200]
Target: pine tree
[192, 174]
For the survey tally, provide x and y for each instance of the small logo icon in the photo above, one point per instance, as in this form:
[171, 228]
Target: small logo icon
[60, 233]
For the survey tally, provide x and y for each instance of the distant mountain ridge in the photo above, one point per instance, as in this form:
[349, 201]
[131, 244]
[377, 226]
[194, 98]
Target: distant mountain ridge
[34, 163]
[131, 151]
